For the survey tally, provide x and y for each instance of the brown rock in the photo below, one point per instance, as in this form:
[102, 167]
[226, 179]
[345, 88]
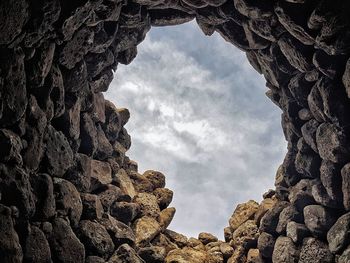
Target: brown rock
[207, 238]
[148, 204]
[92, 207]
[157, 179]
[166, 216]
[145, 229]
[164, 197]
[101, 174]
[242, 213]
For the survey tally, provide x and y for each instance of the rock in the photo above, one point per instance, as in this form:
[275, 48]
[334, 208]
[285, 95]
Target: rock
[10, 248]
[101, 174]
[254, 256]
[36, 248]
[80, 174]
[153, 254]
[95, 238]
[178, 239]
[145, 229]
[45, 199]
[285, 251]
[207, 238]
[301, 194]
[141, 183]
[269, 221]
[297, 54]
[65, 246]
[242, 213]
[239, 256]
[166, 216]
[264, 206]
[94, 259]
[109, 196]
[58, 152]
[314, 251]
[346, 78]
[297, 232]
[157, 179]
[104, 148]
[345, 256]
[309, 133]
[168, 17]
[164, 197]
[339, 234]
[148, 204]
[290, 213]
[331, 180]
[125, 211]
[266, 243]
[345, 175]
[11, 146]
[226, 250]
[68, 200]
[125, 184]
[119, 232]
[260, 11]
[318, 219]
[332, 143]
[112, 124]
[92, 207]
[308, 164]
[187, 254]
[88, 135]
[125, 254]
[246, 235]
[321, 197]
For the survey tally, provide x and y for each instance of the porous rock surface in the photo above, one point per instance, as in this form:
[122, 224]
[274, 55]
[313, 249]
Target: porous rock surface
[68, 191]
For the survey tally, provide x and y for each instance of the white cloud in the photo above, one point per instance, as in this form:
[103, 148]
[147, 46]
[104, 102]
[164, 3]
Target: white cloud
[199, 114]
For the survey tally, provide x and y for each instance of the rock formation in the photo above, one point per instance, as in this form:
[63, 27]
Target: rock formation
[68, 191]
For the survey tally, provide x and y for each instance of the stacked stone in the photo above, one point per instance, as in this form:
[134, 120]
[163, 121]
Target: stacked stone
[68, 192]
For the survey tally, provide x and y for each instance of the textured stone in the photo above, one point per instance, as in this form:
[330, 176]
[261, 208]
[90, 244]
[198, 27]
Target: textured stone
[145, 229]
[125, 254]
[92, 207]
[148, 204]
[285, 251]
[207, 238]
[125, 211]
[242, 213]
[153, 254]
[164, 197]
[318, 219]
[101, 174]
[266, 243]
[314, 251]
[36, 248]
[297, 232]
[166, 216]
[339, 234]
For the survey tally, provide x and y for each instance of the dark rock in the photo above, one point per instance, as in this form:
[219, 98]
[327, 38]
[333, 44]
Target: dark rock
[314, 251]
[68, 201]
[255, 41]
[269, 221]
[14, 15]
[75, 49]
[260, 11]
[332, 143]
[109, 196]
[76, 78]
[345, 175]
[295, 20]
[301, 194]
[288, 214]
[305, 114]
[297, 54]
[309, 133]
[308, 164]
[124, 211]
[233, 34]
[16, 190]
[127, 56]
[339, 234]
[92, 207]
[157, 179]
[331, 180]
[153, 254]
[94, 259]
[36, 249]
[11, 146]
[80, 174]
[104, 148]
[55, 88]
[164, 197]
[318, 219]
[96, 239]
[346, 78]
[58, 153]
[345, 256]
[124, 139]
[96, 63]
[297, 232]
[300, 89]
[330, 66]
[321, 197]
[65, 246]
[13, 85]
[125, 254]
[112, 124]
[101, 175]
[10, 248]
[285, 251]
[266, 243]
[168, 17]
[101, 82]
[88, 135]
[45, 200]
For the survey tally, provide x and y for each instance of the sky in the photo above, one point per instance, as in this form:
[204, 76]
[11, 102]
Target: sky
[199, 114]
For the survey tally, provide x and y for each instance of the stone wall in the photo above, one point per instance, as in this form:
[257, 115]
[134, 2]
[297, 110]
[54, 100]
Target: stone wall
[69, 193]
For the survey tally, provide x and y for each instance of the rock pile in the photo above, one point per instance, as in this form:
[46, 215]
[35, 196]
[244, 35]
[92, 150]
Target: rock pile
[69, 193]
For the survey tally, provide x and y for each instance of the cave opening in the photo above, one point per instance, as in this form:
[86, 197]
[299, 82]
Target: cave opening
[199, 115]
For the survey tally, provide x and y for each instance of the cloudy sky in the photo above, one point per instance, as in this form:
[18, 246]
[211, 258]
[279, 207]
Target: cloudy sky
[199, 114]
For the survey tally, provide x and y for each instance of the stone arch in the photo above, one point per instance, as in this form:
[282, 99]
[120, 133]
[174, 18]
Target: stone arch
[63, 164]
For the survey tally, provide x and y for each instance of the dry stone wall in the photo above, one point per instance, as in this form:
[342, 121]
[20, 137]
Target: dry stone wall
[68, 191]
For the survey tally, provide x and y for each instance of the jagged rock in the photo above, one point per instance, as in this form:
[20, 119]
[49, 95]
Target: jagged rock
[308, 131]
[141, 183]
[345, 256]
[88, 135]
[318, 219]
[80, 174]
[226, 250]
[301, 194]
[68, 201]
[188, 254]
[145, 229]
[125, 211]
[266, 243]
[285, 251]
[92, 207]
[11, 146]
[65, 246]
[94, 259]
[242, 213]
[101, 174]
[245, 235]
[207, 238]
[166, 216]
[297, 232]
[10, 248]
[75, 79]
[168, 17]
[148, 204]
[125, 254]
[125, 184]
[95, 238]
[36, 247]
[104, 148]
[345, 175]
[314, 251]
[109, 196]
[58, 152]
[254, 256]
[153, 254]
[157, 179]
[290, 213]
[261, 11]
[164, 197]
[269, 221]
[178, 239]
[264, 206]
[339, 234]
